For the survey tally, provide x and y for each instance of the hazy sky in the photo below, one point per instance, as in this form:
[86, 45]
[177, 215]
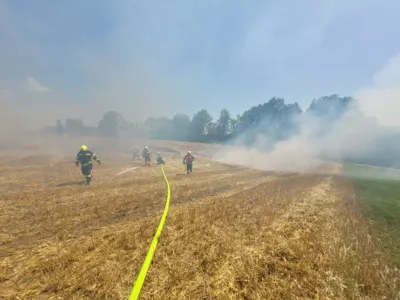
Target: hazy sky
[159, 57]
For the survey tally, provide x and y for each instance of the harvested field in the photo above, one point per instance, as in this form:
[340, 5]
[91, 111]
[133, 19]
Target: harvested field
[231, 233]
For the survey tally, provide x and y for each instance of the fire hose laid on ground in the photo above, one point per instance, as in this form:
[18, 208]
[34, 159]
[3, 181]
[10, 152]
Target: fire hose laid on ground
[149, 257]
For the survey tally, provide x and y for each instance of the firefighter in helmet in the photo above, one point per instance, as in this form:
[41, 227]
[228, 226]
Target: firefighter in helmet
[160, 160]
[188, 161]
[147, 156]
[85, 158]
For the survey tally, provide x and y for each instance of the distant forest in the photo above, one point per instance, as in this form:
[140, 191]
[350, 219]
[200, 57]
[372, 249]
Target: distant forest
[275, 120]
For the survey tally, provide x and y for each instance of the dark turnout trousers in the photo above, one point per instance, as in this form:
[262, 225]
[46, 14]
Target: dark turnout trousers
[87, 172]
[189, 167]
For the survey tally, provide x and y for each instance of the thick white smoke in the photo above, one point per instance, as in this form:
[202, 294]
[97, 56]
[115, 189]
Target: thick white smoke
[361, 134]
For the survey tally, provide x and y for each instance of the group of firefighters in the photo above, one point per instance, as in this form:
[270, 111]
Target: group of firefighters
[147, 156]
[85, 159]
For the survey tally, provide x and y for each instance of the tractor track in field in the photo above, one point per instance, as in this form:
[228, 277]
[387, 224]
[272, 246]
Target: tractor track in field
[231, 233]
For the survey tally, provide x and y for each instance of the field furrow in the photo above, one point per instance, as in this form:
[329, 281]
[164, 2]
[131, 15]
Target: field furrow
[231, 233]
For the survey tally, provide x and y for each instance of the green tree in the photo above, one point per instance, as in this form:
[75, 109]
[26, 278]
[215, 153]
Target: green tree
[223, 128]
[159, 128]
[181, 127]
[330, 107]
[273, 119]
[74, 126]
[110, 124]
[165, 128]
[200, 126]
[289, 120]
[325, 111]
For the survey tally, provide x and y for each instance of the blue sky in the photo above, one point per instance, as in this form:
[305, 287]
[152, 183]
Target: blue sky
[153, 58]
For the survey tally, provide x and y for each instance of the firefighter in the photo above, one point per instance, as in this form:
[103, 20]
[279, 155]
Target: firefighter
[160, 159]
[84, 158]
[136, 153]
[147, 156]
[188, 161]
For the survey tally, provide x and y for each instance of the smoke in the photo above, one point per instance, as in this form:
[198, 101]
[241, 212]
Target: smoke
[382, 99]
[80, 60]
[7, 121]
[366, 133]
[35, 86]
[111, 57]
[151, 58]
[31, 110]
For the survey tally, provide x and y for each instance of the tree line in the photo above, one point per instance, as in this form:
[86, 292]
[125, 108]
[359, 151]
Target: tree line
[274, 120]
[279, 119]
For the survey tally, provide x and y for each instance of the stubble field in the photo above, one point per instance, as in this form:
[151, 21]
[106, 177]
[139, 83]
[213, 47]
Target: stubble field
[231, 232]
